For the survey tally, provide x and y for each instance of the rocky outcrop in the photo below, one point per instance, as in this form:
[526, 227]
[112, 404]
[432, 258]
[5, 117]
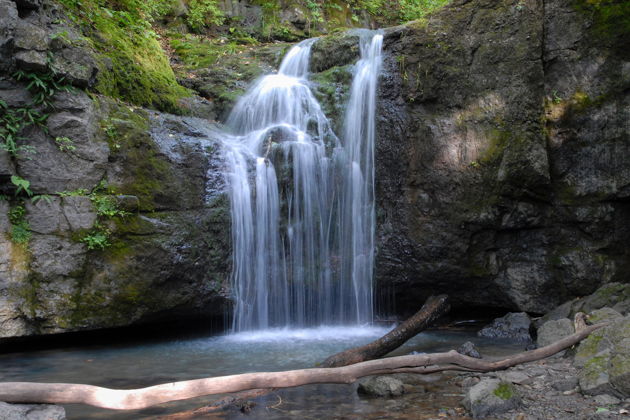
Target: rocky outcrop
[167, 243]
[501, 176]
[124, 218]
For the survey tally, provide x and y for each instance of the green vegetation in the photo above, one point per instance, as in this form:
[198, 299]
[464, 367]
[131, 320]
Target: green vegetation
[13, 121]
[106, 209]
[133, 65]
[203, 13]
[65, 144]
[20, 229]
[97, 238]
[504, 391]
[611, 19]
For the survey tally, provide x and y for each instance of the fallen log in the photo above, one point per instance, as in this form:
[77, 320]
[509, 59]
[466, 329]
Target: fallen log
[118, 399]
[433, 308]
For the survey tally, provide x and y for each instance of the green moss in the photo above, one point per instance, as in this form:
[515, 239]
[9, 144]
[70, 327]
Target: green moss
[332, 88]
[504, 391]
[611, 21]
[133, 66]
[498, 141]
[590, 346]
[132, 144]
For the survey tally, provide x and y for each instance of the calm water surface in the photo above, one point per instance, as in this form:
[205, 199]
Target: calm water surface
[134, 366]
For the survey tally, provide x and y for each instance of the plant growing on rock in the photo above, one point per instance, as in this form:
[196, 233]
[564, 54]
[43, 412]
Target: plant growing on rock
[20, 229]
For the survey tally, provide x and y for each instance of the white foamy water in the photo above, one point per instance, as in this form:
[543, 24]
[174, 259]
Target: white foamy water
[302, 199]
[321, 333]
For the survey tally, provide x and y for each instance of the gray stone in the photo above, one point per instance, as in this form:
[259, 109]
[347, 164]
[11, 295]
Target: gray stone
[30, 37]
[469, 349]
[55, 170]
[606, 399]
[14, 95]
[552, 331]
[6, 167]
[8, 21]
[31, 412]
[514, 377]
[603, 315]
[54, 256]
[491, 397]
[79, 212]
[45, 216]
[513, 326]
[567, 384]
[31, 60]
[381, 386]
[5, 225]
[76, 65]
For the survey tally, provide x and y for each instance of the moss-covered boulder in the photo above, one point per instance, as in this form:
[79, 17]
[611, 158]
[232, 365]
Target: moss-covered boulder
[605, 360]
[491, 397]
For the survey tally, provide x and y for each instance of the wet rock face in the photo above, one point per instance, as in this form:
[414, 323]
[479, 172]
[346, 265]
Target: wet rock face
[499, 165]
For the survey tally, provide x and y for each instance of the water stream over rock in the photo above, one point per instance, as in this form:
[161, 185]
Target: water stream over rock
[302, 199]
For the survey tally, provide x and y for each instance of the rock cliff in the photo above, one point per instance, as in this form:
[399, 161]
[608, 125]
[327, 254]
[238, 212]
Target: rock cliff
[501, 164]
[502, 170]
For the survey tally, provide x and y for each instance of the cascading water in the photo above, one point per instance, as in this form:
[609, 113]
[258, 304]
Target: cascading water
[302, 201]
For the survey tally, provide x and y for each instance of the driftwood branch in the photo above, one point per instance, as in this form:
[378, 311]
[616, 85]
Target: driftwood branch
[433, 308]
[28, 392]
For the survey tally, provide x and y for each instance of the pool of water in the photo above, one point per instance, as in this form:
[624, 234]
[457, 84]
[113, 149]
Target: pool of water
[133, 366]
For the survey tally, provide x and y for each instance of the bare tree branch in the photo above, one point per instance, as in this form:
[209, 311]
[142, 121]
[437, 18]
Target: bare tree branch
[116, 399]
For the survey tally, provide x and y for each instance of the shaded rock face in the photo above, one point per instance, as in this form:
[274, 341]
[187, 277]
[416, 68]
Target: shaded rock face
[500, 163]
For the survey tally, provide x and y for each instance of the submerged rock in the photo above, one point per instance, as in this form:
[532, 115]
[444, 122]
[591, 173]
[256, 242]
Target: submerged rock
[469, 349]
[381, 386]
[513, 326]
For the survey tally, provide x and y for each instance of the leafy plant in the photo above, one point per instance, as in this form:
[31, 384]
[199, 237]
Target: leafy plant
[98, 238]
[203, 13]
[22, 185]
[65, 144]
[20, 229]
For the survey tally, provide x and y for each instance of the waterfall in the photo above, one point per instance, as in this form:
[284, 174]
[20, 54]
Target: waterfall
[302, 199]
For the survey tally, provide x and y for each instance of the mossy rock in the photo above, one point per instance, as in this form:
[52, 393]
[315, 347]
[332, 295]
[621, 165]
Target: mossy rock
[605, 360]
[334, 51]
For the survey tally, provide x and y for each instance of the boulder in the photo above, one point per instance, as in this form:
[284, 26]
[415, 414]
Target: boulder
[381, 386]
[552, 331]
[491, 397]
[604, 358]
[514, 326]
[31, 412]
